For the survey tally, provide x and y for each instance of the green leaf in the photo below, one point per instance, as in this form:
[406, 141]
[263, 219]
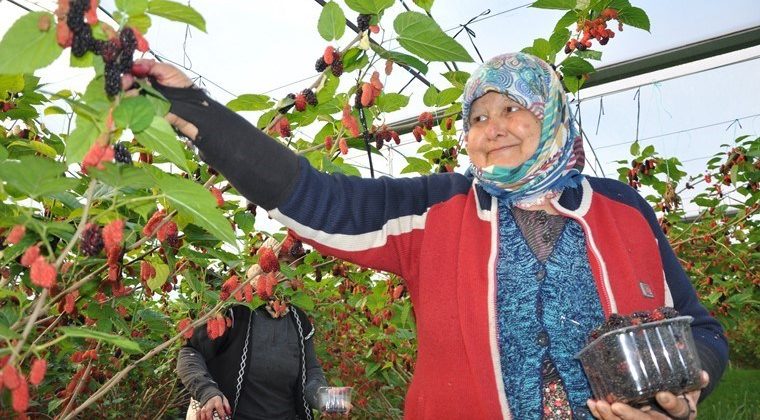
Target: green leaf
[541, 48]
[196, 202]
[332, 21]
[303, 301]
[132, 7]
[354, 58]
[328, 89]
[119, 341]
[80, 140]
[177, 12]
[244, 221]
[555, 4]
[418, 165]
[123, 176]
[25, 48]
[430, 97]
[635, 17]
[141, 22]
[448, 96]
[648, 151]
[425, 4]
[457, 78]
[250, 102]
[37, 146]
[369, 7]
[421, 35]
[10, 83]
[590, 54]
[35, 176]
[162, 272]
[576, 66]
[572, 83]
[566, 20]
[160, 138]
[558, 40]
[134, 113]
[54, 110]
[635, 148]
[401, 58]
[389, 102]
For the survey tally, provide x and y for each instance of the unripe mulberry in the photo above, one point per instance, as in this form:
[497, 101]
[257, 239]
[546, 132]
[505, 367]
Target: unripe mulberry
[43, 274]
[37, 372]
[343, 145]
[329, 55]
[181, 325]
[268, 260]
[30, 256]
[20, 397]
[217, 193]
[16, 234]
[300, 102]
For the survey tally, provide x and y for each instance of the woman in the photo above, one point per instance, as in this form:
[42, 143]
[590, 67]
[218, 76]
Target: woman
[262, 367]
[485, 255]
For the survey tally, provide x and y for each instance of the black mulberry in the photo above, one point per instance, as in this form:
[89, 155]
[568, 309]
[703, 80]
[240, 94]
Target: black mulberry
[92, 240]
[121, 154]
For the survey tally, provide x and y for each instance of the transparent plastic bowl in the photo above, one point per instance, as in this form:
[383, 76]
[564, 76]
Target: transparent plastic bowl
[334, 399]
[632, 364]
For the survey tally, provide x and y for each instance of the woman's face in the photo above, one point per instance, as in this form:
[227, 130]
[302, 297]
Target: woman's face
[502, 132]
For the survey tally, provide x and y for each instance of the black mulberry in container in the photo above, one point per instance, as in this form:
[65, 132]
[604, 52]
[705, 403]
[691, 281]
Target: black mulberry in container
[632, 364]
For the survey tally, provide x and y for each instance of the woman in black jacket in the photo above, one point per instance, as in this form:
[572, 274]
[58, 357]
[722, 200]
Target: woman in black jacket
[262, 367]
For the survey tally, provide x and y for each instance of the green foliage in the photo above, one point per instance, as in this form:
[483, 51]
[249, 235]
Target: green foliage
[177, 12]
[25, 48]
[332, 21]
[421, 35]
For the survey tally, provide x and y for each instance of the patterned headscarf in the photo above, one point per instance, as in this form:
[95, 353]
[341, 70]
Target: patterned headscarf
[558, 159]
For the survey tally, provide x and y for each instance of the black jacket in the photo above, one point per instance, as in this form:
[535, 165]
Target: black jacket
[210, 367]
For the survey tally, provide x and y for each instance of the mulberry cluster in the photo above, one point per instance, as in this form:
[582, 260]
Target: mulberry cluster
[594, 29]
[75, 18]
[363, 22]
[617, 321]
[306, 97]
[92, 240]
[333, 59]
[383, 134]
[447, 161]
[121, 154]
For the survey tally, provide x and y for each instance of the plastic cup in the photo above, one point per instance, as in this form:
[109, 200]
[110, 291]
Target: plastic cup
[334, 399]
[632, 364]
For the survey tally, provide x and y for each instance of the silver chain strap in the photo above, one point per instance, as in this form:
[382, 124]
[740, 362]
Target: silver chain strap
[243, 360]
[307, 410]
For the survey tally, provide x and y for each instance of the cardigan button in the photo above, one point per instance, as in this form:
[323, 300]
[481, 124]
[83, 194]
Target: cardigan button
[542, 339]
[546, 237]
[541, 274]
[542, 216]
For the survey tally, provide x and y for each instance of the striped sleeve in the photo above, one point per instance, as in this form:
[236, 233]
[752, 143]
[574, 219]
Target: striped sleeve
[376, 223]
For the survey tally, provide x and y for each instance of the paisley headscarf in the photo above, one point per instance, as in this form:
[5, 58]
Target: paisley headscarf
[558, 159]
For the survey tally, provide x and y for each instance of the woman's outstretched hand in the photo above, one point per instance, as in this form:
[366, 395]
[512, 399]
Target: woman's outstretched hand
[675, 406]
[166, 75]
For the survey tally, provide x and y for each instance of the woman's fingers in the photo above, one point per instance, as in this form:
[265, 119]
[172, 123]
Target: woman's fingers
[189, 130]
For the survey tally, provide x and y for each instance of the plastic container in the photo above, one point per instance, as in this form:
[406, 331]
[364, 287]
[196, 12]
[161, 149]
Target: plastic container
[632, 364]
[334, 399]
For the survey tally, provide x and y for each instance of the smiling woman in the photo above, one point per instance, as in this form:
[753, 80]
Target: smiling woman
[502, 132]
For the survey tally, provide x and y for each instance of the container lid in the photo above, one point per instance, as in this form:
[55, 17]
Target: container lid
[645, 325]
